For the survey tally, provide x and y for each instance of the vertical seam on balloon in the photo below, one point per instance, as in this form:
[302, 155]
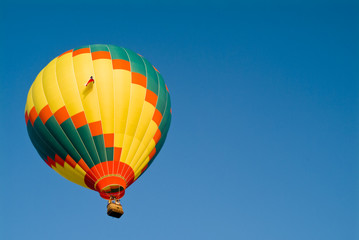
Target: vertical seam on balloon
[167, 116]
[164, 112]
[42, 83]
[39, 83]
[147, 129]
[37, 130]
[48, 131]
[114, 114]
[129, 103]
[70, 116]
[158, 127]
[157, 151]
[139, 119]
[84, 145]
[102, 121]
[93, 66]
[38, 149]
[45, 143]
[33, 133]
[114, 117]
[164, 136]
[83, 109]
[113, 89]
[163, 133]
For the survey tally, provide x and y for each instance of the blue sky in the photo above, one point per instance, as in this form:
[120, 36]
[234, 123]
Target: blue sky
[264, 136]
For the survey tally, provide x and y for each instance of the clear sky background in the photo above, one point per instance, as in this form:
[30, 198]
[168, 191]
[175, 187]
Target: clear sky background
[263, 143]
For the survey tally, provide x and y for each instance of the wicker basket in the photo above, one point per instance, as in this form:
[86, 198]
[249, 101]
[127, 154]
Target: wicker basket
[114, 210]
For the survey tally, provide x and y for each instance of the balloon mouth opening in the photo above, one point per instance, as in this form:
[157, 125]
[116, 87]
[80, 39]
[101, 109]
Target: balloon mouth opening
[111, 186]
[109, 196]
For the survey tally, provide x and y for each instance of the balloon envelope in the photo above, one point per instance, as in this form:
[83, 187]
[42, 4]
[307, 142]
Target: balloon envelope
[99, 115]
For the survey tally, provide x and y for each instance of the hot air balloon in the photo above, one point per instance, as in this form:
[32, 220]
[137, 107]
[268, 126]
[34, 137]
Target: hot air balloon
[98, 115]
